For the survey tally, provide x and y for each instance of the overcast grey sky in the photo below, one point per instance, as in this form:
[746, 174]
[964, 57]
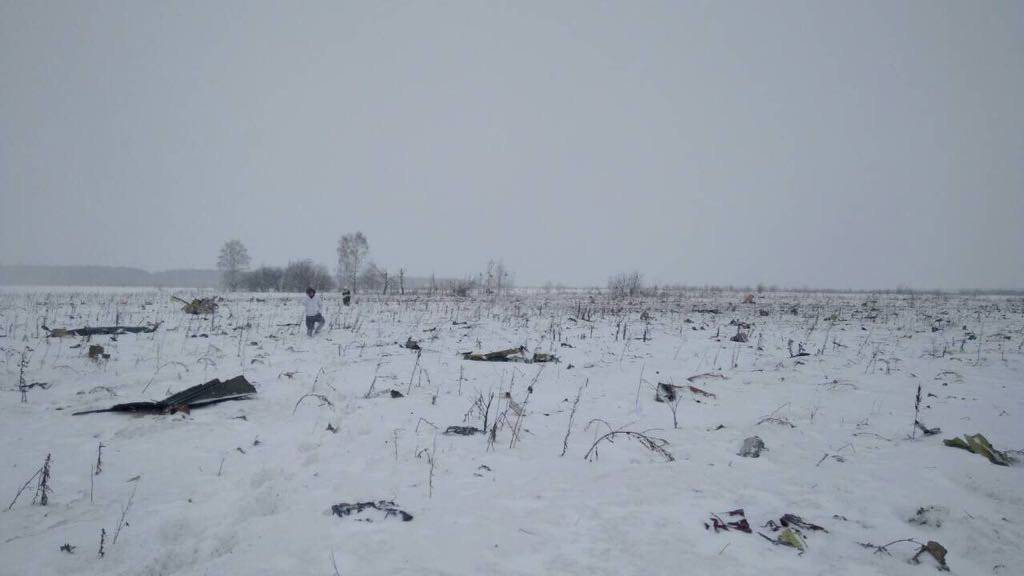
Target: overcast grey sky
[839, 144]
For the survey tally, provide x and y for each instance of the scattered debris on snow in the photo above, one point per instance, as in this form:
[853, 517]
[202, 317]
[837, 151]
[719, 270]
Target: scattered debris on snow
[932, 516]
[738, 522]
[388, 507]
[792, 521]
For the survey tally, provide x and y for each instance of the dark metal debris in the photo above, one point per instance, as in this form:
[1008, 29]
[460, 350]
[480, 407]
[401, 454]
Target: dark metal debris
[665, 392]
[462, 430]
[388, 507]
[100, 330]
[738, 522]
[197, 396]
[792, 521]
[96, 352]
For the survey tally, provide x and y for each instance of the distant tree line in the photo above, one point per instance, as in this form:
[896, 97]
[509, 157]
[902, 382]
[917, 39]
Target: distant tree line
[355, 271]
[33, 275]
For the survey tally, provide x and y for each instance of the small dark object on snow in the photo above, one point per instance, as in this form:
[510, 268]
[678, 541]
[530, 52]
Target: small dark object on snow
[396, 394]
[544, 357]
[740, 336]
[346, 296]
[792, 521]
[386, 506]
[721, 525]
[462, 430]
[197, 396]
[68, 548]
[930, 516]
[752, 447]
[665, 393]
[938, 551]
[926, 430]
[800, 349]
[411, 344]
[100, 330]
[96, 352]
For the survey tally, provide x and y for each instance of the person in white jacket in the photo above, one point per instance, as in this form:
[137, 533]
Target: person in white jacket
[314, 312]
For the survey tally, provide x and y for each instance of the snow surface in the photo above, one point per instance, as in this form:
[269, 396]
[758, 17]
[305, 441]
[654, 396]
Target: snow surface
[218, 494]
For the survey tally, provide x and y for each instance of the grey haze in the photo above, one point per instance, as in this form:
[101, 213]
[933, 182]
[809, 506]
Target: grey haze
[833, 144]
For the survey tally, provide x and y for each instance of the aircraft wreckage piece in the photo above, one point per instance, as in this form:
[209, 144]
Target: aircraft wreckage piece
[510, 355]
[100, 330]
[212, 392]
[198, 305]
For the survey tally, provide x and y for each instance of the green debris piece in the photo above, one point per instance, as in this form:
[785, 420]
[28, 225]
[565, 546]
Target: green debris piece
[790, 538]
[978, 444]
[957, 443]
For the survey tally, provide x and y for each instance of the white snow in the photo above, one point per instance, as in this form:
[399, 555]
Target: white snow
[210, 499]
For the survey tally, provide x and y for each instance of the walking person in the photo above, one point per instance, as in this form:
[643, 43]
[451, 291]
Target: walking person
[314, 312]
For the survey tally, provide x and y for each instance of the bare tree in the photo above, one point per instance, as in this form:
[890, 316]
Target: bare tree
[496, 278]
[232, 262]
[352, 252]
[371, 277]
[626, 284]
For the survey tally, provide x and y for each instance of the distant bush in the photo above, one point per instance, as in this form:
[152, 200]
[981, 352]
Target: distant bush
[462, 287]
[300, 274]
[263, 279]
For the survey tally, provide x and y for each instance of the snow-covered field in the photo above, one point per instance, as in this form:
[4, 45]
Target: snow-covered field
[246, 487]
